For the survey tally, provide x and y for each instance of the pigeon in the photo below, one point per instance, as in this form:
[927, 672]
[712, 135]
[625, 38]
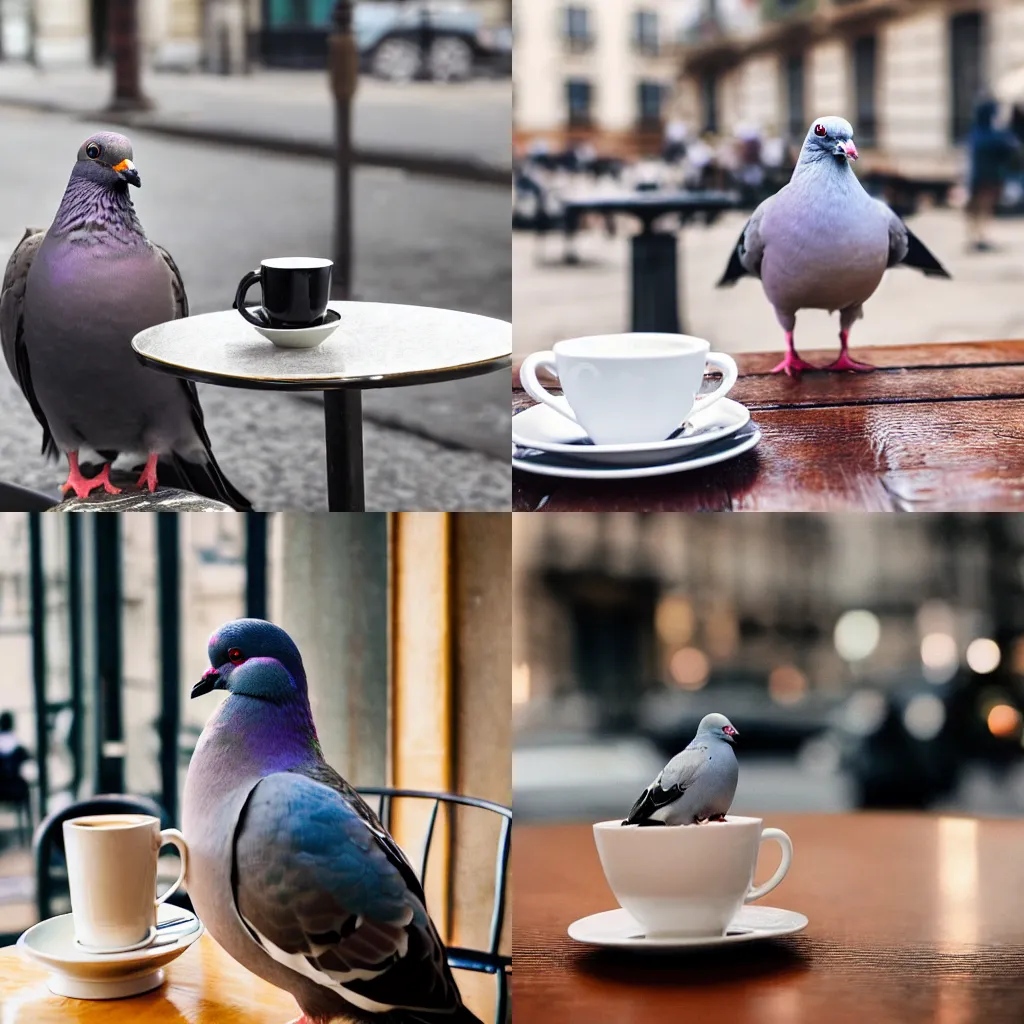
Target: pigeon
[73, 297]
[698, 784]
[821, 242]
[289, 869]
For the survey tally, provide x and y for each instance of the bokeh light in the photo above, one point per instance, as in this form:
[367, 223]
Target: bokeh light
[983, 655]
[787, 684]
[690, 668]
[939, 657]
[1004, 721]
[857, 634]
[674, 620]
[924, 716]
[521, 683]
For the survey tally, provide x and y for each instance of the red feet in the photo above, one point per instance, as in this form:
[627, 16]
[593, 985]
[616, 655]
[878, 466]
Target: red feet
[844, 362]
[148, 477]
[83, 487]
[792, 365]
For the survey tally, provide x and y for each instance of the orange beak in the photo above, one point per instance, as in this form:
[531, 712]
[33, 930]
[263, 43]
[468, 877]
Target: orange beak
[127, 171]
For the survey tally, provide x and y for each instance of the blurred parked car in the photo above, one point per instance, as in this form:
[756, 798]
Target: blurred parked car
[390, 37]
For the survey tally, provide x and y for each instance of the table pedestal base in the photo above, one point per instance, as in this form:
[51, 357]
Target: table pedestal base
[655, 283]
[343, 427]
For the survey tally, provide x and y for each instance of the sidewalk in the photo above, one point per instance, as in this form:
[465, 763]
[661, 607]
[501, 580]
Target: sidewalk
[455, 131]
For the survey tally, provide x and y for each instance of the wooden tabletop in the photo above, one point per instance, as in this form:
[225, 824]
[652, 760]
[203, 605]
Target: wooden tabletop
[204, 986]
[935, 428]
[914, 919]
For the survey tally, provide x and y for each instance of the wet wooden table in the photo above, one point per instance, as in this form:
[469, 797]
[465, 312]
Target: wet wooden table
[204, 986]
[914, 919]
[935, 428]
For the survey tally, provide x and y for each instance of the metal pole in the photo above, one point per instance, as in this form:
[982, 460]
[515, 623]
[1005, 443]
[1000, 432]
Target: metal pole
[37, 588]
[124, 46]
[74, 528]
[343, 61]
[256, 565]
[110, 749]
[168, 581]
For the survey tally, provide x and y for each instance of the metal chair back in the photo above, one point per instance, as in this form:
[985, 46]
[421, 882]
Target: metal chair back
[489, 960]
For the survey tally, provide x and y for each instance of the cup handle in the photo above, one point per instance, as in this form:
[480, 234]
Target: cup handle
[780, 872]
[173, 837]
[243, 287]
[725, 363]
[536, 390]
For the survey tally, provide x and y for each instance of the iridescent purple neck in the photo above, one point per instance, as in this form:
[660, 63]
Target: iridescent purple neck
[261, 737]
[90, 209]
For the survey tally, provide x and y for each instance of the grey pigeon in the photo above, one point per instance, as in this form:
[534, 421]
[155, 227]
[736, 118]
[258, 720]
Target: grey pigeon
[698, 784]
[821, 242]
[289, 869]
[72, 299]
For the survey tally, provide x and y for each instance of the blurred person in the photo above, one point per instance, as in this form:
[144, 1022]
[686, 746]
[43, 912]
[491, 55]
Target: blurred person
[674, 141]
[13, 787]
[992, 151]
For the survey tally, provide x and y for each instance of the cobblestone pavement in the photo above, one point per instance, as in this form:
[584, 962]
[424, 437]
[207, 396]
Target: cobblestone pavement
[219, 211]
[553, 301]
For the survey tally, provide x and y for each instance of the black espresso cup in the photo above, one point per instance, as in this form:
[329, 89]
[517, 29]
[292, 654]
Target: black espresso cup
[295, 289]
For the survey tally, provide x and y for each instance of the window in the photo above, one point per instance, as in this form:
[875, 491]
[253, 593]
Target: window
[578, 95]
[709, 103]
[865, 53]
[966, 71]
[578, 35]
[793, 74]
[645, 32]
[649, 97]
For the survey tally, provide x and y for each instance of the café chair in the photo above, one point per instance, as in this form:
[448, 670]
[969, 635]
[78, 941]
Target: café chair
[489, 960]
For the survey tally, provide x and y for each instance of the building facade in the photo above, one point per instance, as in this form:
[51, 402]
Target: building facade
[906, 73]
[601, 71]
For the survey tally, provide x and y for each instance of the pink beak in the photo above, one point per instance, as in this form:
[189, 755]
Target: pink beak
[850, 149]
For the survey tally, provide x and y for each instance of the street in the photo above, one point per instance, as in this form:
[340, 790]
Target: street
[219, 211]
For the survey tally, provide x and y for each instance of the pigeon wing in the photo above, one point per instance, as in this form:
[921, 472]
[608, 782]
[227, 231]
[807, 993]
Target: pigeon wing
[907, 250]
[675, 779]
[324, 893]
[746, 256]
[12, 325]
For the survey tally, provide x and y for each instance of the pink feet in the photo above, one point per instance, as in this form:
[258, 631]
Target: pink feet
[148, 477]
[83, 487]
[844, 362]
[792, 365]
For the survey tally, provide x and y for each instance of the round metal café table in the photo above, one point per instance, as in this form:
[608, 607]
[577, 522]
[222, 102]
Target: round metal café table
[376, 345]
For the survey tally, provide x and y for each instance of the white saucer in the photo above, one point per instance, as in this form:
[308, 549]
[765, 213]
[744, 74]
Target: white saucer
[541, 427]
[77, 973]
[302, 337]
[532, 460]
[617, 929]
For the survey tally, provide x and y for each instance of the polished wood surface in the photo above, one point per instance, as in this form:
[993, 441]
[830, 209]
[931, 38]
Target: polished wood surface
[914, 919]
[204, 986]
[935, 428]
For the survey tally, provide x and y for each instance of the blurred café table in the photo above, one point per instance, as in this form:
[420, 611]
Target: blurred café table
[204, 986]
[914, 919]
[936, 428]
[655, 254]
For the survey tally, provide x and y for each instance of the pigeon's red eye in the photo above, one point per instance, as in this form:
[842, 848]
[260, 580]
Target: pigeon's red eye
[235, 656]
[819, 130]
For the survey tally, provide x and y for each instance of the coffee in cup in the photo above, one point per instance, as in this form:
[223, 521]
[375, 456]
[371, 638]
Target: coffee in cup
[112, 861]
[687, 880]
[295, 292]
[628, 388]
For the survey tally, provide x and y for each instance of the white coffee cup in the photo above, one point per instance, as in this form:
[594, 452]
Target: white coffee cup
[628, 388]
[687, 880]
[112, 861]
